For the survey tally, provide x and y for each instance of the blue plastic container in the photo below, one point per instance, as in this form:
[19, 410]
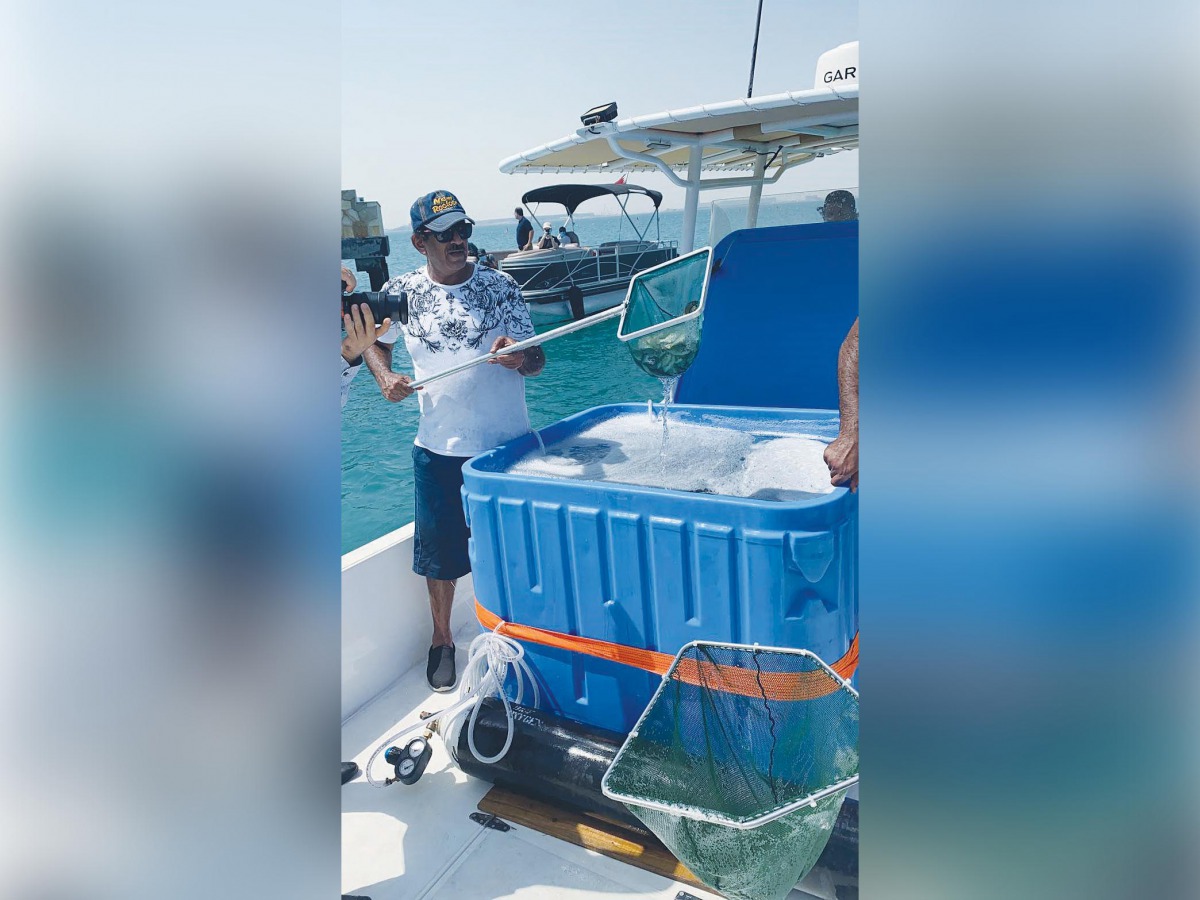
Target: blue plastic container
[790, 294]
[653, 568]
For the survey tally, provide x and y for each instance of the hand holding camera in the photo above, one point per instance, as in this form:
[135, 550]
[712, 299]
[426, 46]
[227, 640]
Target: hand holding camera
[361, 331]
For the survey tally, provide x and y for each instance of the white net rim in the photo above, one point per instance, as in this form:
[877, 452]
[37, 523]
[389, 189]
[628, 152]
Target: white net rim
[742, 823]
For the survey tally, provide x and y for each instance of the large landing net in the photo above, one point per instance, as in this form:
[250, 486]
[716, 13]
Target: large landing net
[740, 764]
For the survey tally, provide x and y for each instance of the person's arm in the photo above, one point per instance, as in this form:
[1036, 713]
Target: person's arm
[532, 360]
[842, 454]
[392, 385]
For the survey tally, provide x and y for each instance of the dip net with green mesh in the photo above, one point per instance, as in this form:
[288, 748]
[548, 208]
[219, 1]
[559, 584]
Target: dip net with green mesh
[663, 312]
[740, 764]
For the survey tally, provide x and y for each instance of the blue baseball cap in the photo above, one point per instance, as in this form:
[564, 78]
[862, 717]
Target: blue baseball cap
[437, 211]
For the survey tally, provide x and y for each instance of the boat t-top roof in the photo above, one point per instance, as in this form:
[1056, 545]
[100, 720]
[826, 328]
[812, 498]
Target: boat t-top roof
[572, 195]
[768, 134]
[783, 130]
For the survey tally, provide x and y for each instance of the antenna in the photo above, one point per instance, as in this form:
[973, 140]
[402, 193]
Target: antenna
[754, 52]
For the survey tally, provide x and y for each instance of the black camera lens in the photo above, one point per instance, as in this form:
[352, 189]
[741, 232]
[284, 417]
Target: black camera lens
[382, 306]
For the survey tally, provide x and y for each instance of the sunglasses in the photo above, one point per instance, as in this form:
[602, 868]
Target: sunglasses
[462, 229]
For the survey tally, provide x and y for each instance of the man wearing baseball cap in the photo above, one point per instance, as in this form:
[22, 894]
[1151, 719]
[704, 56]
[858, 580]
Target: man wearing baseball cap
[457, 311]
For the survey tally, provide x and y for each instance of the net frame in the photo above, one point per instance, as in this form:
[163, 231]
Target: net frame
[677, 320]
[743, 823]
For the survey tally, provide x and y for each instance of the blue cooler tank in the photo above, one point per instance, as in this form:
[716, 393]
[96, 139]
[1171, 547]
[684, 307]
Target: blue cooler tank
[654, 569]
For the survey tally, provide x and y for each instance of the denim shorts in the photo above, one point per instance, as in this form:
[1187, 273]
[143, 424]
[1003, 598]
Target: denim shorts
[440, 545]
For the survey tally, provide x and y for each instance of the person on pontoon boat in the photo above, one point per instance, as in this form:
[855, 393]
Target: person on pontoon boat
[457, 311]
[524, 230]
[547, 241]
[486, 259]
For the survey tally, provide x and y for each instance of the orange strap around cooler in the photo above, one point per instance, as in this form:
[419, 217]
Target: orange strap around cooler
[775, 685]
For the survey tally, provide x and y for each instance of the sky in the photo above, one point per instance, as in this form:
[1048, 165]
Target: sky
[434, 95]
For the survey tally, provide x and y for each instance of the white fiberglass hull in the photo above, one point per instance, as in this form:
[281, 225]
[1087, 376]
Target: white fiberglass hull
[560, 311]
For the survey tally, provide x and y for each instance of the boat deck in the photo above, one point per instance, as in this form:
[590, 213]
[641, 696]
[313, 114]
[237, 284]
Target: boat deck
[416, 841]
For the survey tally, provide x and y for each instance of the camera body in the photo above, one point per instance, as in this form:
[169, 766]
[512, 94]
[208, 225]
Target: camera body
[382, 305]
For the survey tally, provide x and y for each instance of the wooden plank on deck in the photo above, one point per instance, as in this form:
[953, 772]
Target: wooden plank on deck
[589, 831]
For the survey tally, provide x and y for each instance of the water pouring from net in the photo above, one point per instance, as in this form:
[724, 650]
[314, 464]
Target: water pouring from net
[661, 321]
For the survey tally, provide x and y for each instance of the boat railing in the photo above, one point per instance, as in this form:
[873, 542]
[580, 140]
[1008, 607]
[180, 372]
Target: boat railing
[624, 247]
[638, 249]
[584, 263]
[793, 208]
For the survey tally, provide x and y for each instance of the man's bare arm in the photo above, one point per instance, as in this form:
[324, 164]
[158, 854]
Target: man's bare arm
[393, 386]
[842, 454]
[378, 358]
[848, 380]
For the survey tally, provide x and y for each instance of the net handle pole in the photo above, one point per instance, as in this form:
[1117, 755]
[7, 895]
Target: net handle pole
[534, 341]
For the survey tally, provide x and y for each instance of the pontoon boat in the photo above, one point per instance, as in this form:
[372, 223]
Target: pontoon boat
[578, 279]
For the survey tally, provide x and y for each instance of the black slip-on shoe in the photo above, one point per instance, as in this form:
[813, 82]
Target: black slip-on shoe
[349, 771]
[440, 672]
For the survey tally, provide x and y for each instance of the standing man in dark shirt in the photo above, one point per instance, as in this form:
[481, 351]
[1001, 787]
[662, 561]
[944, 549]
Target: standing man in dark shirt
[524, 230]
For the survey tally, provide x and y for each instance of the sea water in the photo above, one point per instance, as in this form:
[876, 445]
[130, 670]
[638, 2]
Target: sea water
[707, 457]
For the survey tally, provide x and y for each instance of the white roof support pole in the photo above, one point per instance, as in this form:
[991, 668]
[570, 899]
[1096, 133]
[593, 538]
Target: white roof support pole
[691, 200]
[760, 168]
[788, 161]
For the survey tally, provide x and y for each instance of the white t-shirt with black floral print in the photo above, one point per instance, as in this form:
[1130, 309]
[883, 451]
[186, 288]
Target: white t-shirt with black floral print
[480, 408]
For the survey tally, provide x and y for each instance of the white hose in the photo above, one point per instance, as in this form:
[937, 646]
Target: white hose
[490, 657]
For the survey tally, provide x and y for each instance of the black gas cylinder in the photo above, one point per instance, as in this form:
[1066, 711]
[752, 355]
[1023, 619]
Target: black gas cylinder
[551, 759]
